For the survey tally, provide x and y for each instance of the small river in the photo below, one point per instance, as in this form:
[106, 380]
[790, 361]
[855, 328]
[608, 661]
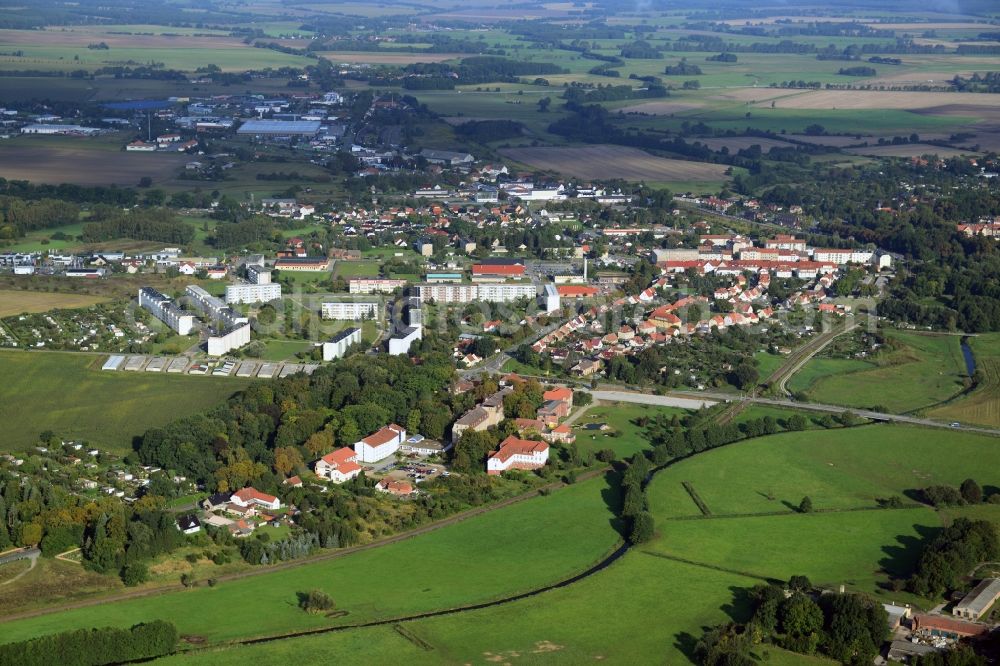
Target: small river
[970, 359]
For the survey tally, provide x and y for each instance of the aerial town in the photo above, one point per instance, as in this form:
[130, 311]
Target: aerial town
[477, 333]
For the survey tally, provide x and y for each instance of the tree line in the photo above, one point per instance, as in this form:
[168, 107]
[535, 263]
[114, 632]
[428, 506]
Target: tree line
[93, 647]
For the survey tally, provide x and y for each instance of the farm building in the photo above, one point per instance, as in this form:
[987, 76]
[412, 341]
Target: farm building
[251, 496]
[979, 600]
[937, 625]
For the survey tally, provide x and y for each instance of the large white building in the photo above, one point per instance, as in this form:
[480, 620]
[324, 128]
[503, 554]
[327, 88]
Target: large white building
[341, 342]
[350, 310]
[374, 285]
[400, 344]
[841, 257]
[551, 298]
[252, 293]
[222, 342]
[214, 308]
[258, 274]
[380, 444]
[517, 453]
[465, 293]
[163, 309]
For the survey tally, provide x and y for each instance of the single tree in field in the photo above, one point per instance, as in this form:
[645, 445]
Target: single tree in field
[971, 492]
[806, 505]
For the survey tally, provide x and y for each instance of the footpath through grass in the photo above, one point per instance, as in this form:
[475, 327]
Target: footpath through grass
[68, 394]
[529, 544]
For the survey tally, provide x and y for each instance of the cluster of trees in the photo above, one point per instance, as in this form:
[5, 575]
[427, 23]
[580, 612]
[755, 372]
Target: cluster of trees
[92, 647]
[484, 131]
[639, 524]
[19, 216]
[969, 492]
[722, 57]
[476, 69]
[640, 50]
[857, 71]
[154, 224]
[951, 554]
[682, 68]
[249, 439]
[584, 94]
[988, 82]
[847, 627]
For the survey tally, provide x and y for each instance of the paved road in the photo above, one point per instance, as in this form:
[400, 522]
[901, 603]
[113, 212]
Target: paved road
[657, 400]
[30, 554]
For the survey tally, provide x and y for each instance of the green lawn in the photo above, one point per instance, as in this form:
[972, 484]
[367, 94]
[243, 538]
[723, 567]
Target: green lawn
[768, 363]
[471, 561]
[623, 436]
[845, 468]
[70, 395]
[349, 269]
[925, 371]
[280, 350]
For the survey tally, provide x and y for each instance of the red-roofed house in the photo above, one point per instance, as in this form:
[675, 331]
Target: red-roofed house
[251, 496]
[339, 466]
[380, 444]
[397, 488]
[562, 433]
[515, 453]
[498, 270]
[559, 393]
[937, 625]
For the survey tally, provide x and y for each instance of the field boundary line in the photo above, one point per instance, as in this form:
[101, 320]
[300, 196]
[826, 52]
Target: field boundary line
[704, 565]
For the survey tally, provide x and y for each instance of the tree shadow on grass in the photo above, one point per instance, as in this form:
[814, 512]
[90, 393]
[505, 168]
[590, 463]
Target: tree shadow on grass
[901, 557]
[612, 496]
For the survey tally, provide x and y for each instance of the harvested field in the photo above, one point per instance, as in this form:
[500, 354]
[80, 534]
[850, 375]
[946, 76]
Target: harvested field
[917, 78]
[909, 150]
[750, 94]
[81, 38]
[13, 302]
[591, 162]
[871, 99]
[734, 143]
[659, 108]
[387, 58]
[921, 27]
[82, 166]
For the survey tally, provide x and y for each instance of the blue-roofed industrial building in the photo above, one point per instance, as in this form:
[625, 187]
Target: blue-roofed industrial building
[279, 128]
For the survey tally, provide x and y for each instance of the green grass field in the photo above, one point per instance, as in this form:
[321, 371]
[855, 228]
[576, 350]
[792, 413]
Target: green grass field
[471, 561]
[928, 369]
[982, 405]
[352, 269]
[839, 469]
[623, 436]
[68, 394]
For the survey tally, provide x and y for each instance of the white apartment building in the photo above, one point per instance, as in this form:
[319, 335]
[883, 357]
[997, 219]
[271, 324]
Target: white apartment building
[341, 342]
[551, 298]
[214, 308]
[220, 344]
[374, 285]
[253, 293]
[350, 310]
[258, 274]
[163, 309]
[841, 257]
[465, 293]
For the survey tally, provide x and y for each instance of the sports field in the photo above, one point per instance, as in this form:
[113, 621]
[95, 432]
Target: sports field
[471, 561]
[924, 371]
[13, 302]
[68, 394]
[614, 162]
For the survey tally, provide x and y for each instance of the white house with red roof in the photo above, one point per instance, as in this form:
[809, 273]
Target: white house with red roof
[246, 497]
[516, 453]
[339, 466]
[397, 488]
[380, 444]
